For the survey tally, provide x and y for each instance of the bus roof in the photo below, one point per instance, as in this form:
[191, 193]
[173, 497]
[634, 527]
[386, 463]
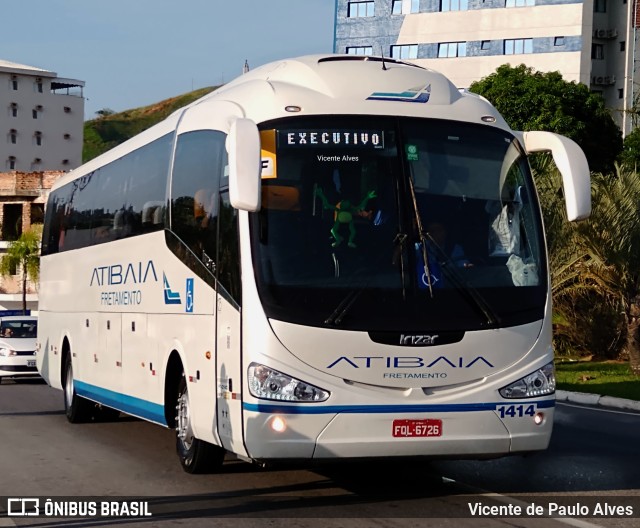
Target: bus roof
[328, 84]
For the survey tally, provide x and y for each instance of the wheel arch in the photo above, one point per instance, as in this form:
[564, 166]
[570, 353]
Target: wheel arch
[173, 373]
[65, 351]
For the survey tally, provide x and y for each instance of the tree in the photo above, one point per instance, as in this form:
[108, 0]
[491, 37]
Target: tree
[611, 238]
[630, 155]
[578, 297]
[530, 100]
[23, 254]
[595, 265]
[104, 112]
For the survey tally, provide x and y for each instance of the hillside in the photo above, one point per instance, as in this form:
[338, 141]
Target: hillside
[104, 133]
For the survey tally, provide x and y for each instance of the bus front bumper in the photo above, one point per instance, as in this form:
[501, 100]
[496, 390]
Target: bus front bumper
[279, 435]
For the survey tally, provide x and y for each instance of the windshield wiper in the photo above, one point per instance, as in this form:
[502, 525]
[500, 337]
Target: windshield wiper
[448, 267]
[341, 310]
[426, 240]
[348, 301]
[423, 238]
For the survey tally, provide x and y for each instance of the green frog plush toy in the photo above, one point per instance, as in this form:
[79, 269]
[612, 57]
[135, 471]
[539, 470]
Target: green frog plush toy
[343, 216]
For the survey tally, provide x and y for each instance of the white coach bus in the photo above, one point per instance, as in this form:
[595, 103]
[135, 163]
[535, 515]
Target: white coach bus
[329, 257]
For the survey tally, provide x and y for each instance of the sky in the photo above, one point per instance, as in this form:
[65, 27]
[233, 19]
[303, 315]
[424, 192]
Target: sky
[133, 53]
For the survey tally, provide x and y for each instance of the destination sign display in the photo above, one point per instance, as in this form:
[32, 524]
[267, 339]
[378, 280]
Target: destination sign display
[331, 138]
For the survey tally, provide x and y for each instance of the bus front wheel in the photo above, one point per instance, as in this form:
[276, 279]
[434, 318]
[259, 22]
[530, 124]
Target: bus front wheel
[76, 408]
[196, 456]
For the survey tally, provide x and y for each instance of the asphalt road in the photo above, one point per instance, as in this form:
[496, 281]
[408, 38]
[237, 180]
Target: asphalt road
[594, 458]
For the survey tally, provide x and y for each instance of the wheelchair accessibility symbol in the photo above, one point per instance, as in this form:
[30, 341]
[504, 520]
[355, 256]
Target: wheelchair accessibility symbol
[189, 296]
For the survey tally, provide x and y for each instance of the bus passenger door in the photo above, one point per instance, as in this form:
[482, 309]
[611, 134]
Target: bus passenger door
[228, 343]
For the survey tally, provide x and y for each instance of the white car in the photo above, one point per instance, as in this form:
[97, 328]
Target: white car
[18, 346]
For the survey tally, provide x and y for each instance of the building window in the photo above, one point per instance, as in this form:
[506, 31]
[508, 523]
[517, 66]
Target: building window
[65, 161]
[452, 49]
[405, 51]
[404, 7]
[37, 213]
[360, 50]
[623, 45]
[13, 136]
[519, 3]
[34, 113]
[597, 51]
[558, 41]
[67, 109]
[485, 45]
[11, 221]
[11, 163]
[361, 9]
[454, 5]
[600, 6]
[518, 46]
[620, 93]
[13, 108]
[38, 85]
[14, 82]
[67, 136]
[38, 138]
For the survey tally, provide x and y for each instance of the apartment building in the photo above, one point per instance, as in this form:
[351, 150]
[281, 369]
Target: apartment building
[593, 42]
[41, 119]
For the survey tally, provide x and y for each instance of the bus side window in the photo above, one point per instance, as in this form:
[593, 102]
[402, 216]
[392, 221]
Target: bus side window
[229, 249]
[197, 169]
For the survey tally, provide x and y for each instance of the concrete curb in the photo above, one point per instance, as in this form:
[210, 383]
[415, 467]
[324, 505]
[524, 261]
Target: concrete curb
[609, 402]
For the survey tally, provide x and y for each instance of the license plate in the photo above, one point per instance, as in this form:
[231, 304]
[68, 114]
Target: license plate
[31, 363]
[408, 428]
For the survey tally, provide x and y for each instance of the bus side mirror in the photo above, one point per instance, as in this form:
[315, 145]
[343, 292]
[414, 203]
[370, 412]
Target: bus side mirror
[573, 166]
[243, 147]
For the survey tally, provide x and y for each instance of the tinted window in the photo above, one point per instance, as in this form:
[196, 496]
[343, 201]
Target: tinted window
[195, 182]
[229, 249]
[397, 224]
[124, 198]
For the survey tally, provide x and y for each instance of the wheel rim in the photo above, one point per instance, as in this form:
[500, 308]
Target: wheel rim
[68, 385]
[183, 427]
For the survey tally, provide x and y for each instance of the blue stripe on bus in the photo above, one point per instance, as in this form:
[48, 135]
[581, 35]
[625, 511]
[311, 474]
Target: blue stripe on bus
[127, 404]
[379, 409]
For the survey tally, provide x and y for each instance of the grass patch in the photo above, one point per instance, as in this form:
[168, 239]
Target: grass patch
[608, 378]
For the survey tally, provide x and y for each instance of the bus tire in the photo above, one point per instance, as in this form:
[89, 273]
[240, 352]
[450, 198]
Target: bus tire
[77, 409]
[196, 456]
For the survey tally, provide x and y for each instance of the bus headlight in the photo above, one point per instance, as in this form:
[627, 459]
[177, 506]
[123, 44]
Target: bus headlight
[6, 352]
[538, 383]
[268, 383]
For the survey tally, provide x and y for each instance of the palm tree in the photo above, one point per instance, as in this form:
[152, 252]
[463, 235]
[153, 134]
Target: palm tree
[611, 241]
[595, 265]
[23, 254]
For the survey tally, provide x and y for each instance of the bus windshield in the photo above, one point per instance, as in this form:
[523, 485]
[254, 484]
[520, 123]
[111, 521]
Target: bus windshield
[397, 224]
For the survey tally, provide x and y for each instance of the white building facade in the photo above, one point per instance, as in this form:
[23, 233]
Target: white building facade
[41, 119]
[587, 41]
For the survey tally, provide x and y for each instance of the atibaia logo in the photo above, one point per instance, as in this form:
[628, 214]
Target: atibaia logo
[420, 94]
[170, 296]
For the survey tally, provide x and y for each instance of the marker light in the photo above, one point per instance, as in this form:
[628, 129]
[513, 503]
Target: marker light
[538, 383]
[278, 424]
[293, 108]
[268, 383]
